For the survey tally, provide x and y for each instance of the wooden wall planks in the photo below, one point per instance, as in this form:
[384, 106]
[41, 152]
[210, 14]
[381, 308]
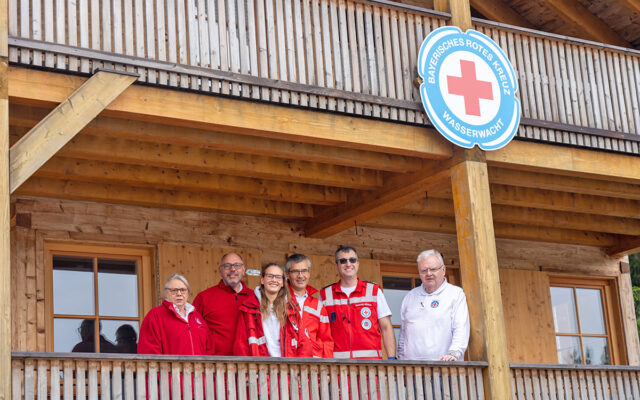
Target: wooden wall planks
[193, 242]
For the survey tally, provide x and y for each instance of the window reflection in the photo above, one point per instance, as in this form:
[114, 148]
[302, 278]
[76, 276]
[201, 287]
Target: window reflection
[590, 308]
[569, 350]
[564, 310]
[117, 288]
[596, 351]
[123, 333]
[73, 291]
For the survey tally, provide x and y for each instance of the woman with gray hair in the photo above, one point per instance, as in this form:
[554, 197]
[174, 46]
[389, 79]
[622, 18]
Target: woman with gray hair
[175, 327]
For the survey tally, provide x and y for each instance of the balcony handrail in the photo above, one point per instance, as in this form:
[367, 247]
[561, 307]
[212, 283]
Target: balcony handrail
[575, 367]
[236, 359]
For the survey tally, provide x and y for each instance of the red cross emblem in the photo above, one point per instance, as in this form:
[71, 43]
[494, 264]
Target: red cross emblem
[469, 87]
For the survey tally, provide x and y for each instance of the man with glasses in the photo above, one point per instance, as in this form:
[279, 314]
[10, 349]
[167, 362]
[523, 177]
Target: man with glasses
[314, 318]
[359, 315]
[435, 318]
[219, 304]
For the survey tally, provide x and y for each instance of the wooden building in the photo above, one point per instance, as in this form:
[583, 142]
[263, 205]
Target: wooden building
[145, 137]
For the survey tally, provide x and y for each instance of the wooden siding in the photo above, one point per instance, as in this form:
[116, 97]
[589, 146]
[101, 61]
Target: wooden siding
[344, 56]
[191, 242]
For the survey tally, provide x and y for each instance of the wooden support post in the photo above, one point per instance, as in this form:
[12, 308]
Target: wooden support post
[64, 122]
[479, 271]
[5, 218]
[441, 5]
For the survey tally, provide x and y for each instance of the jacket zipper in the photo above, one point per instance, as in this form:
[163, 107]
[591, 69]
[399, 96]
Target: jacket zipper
[193, 350]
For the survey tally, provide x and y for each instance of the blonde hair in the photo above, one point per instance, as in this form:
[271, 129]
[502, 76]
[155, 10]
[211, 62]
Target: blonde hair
[281, 300]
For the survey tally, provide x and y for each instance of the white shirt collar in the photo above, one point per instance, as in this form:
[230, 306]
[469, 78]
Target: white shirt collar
[188, 308]
[437, 291]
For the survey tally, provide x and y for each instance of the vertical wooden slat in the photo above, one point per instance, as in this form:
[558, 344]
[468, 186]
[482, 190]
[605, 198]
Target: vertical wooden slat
[116, 381]
[418, 383]
[300, 19]
[214, 41]
[344, 383]
[141, 380]
[220, 384]
[293, 371]
[305, 384]
[16, 378]
[164, 381]
[338, 78]
[231, 381]
[13, 18]
[171, 38]
[544, 385]
[80, 385]
[345, 56]
[29, 380]
[376, 382]
[400, 376]
[283, 379]
[394, 51]
[42, 384]
[361, 76]
[472, 383]
[25, 28]
[363, 383]
[335, 382]
[437, 383]
[67, 380]
[263, 382]
[223, 49]
[192, 39]
[309, 35]
[446, 383]
[176, 371]
[253, 381]
[353, 382]
[317, 7]
[242, 381]
[290, 49]
[54, 390]
[328, 71]
[528, 390]
[391, 382]
[243, 45]
[461, 377]
[273, 382]
[271, 41]
[382, 382]
[105, 380]
[322, 377]
[428, 383]
[48, 31]
[92, 372]
[262, 44]
[388, 60]
[183, 47]
[234, 51]
[373, 57]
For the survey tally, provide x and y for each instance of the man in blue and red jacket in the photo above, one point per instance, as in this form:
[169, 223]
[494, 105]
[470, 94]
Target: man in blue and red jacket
[359, 315]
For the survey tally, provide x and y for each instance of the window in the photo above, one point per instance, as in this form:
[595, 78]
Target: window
[584, 334]
[96, 289]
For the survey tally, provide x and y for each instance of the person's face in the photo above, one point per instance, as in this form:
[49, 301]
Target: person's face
[177, 293]
[431, 273]
[232, 270]
[347, 264]
[272, 280]
[299, 276]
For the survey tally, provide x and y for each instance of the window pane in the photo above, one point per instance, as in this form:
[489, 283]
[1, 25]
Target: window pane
[73, 286]
[590, 311]
[596, 351]
[395, 288]
[568, 350]
[117, 288]
[123, 333]
[66, 335]
[564, 310]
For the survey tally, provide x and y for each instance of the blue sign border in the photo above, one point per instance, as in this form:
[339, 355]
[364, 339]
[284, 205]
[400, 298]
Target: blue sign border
[444, 42]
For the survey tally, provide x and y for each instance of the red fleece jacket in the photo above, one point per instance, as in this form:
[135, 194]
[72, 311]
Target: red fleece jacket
[163, 331]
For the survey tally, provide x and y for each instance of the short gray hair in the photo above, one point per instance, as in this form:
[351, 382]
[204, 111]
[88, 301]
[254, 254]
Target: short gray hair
[295, 259]
[178, 277]
[428, 253]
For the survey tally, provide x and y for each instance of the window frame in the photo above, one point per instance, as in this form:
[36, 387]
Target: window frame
[144, 255]
[608, 287]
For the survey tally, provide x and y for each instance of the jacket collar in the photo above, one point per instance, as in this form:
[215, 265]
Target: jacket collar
[360, 286]
[170, 306]
[228, 289]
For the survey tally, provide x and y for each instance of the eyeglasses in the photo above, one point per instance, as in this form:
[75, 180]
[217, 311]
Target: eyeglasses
[272, 277]
[431, 270]
[236, 266]
[352, 260]
[177, 291]
[298, 271]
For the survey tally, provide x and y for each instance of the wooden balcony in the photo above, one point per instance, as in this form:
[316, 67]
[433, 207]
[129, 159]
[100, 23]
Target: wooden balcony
[66, 375]
[344, 56]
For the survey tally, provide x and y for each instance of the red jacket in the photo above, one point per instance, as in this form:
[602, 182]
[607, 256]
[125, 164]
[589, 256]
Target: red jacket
[163, 331]
[251, 341]
[219, 306]
[315, 325]
[354, 320]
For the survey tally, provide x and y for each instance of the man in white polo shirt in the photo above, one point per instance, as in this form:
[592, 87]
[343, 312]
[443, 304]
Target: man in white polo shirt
[435, 317]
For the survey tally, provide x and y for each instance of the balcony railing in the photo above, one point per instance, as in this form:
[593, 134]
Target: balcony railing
[106, 376]
[347, 56]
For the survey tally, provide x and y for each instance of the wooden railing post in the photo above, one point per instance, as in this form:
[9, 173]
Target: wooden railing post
[5, 224]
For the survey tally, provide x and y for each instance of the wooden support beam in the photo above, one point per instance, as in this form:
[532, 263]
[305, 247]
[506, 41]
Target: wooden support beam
[5, 211]
[460, 14]
[175, 179]
[172, 107]
[631, 5]
[581, 19]
[427, 223]
[532, 217]
[125, 194]
[625, 247]
[220, 162]
[499, 11]
[64, 122]
[441, 5]
[159, 133]
[479, 273]
[571, 184]
[563, 201]
[397, 191]
[563, 160]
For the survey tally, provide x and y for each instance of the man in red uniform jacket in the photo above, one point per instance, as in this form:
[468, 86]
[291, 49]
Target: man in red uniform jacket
[219, 304]
[358, 312]
[314, 317]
